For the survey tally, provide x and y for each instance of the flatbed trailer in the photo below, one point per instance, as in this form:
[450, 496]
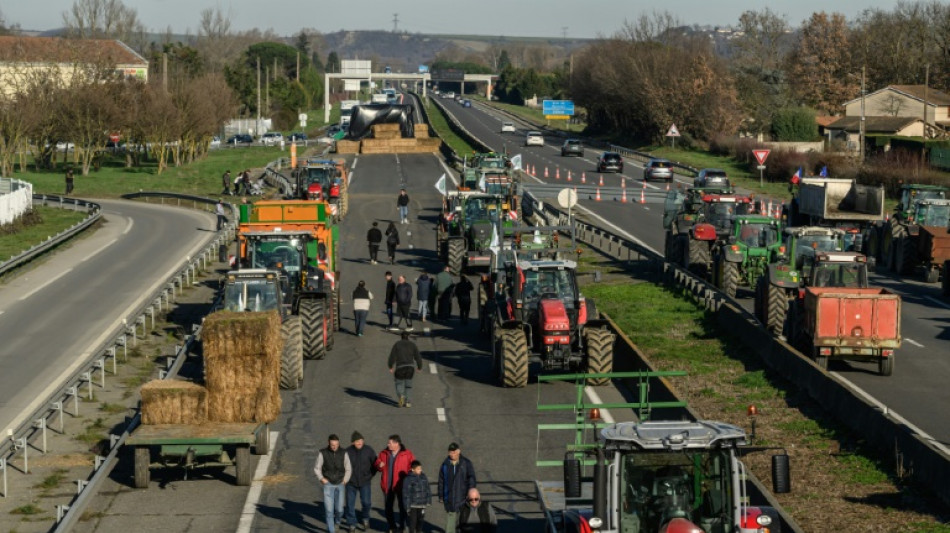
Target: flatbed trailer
[191, 446]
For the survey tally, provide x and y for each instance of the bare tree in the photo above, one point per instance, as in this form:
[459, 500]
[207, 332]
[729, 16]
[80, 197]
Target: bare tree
[104, 19]
[820, 66]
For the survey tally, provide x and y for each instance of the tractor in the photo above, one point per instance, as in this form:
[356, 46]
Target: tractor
[696, 221]
[752, 245]
[917, 234]
[260, 289]
[466, 230]
[323, 180]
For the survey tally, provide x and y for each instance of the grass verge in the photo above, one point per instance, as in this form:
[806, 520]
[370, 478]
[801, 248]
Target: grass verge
[857, 490]
[35, 228]
[533, 115]
[439, 123]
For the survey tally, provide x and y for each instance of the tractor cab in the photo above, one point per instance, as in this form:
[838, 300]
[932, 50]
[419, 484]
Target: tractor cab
[838, 269]
[319, 179]
[253, 290]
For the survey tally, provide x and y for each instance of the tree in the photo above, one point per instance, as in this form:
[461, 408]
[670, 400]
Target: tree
[758, 60]
[795, 124]
[104, 19]
[302, 43]
[503, 60]
[333, 63]
[820, 66]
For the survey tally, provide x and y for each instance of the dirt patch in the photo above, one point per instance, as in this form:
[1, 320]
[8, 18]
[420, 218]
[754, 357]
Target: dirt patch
[278, 479]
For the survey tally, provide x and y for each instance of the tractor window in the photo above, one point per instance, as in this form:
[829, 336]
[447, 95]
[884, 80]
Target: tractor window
[758, 235]
[476, 209]
[267, 254]
[933, 215]
[559, 283]
[840, 275]
[820, 243]
[250, 296]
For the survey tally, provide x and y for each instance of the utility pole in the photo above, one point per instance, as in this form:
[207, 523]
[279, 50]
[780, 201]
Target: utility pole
[861, 130]
[395, 22]
[267, 87]
[298, 66]
[926, 94]
[165, 71]
[274, 72]
[257, 125]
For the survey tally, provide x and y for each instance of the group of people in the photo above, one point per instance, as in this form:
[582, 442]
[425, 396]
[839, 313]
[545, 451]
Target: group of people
[241, 182]
[346, 474]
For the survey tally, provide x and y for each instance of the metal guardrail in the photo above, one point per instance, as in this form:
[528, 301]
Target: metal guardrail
[94, 213]
[460, 130]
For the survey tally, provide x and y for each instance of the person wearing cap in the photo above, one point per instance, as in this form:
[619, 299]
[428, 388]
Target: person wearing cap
[334, 471]
[362, 457]
[456, 478]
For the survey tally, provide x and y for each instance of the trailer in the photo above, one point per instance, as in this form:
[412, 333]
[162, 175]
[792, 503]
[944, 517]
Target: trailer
[192, 446]
[842, 203]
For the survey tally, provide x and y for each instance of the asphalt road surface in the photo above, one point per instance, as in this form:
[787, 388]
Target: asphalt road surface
[53, 316]
[917, 390]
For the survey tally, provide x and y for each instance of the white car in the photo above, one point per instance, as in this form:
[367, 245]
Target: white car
[534, 138]
[508, 127]
[450, 94]
[271, 138]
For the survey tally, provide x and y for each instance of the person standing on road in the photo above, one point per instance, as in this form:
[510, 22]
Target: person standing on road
[361, 459]
[390, 297]
[456, 478]
[373, 238]
[69, 180]
[238, 178]
[404, 303]
[443, 286]
[416, 496]
[423, 287]
[333, 470]
[404, 360]
[226, 182]
[361, 301]
[463, 292]
[392, 241]
[219, 210]
[402, 202]
[394, 463]
[476, 516]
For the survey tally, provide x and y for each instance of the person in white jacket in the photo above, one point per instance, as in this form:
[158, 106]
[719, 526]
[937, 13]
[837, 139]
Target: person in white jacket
[361, 300]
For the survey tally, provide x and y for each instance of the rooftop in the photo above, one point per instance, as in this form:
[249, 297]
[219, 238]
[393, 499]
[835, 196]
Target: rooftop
[873, 124]
[58, 50]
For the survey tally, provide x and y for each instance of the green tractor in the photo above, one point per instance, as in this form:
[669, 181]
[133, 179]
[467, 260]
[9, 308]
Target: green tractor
[696, 221]
[792, 270]
[917, 233]
[745, 255]
[466, 231]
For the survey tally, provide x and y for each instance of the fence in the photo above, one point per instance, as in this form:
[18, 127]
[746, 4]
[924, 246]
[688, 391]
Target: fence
[16, 198]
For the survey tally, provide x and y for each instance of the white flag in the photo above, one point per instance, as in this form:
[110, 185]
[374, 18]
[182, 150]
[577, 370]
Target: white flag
[440, 185]
[537, 237]
[481, 183]
[494, 239]
[516, 162]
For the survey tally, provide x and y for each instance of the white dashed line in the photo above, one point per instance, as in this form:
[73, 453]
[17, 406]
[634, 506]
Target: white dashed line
[433, 369]
[440, 413]
[938, 302]
[915, 343]
[43, 286]
[355, 161]
[128, 227]
[253, 495]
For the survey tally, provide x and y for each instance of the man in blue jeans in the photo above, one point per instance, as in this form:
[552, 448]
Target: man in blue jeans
[402, 202]
[361, 459]
[333, 470]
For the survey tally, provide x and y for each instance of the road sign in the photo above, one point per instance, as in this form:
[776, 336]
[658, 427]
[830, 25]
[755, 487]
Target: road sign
[761, 155]
[557, 117]
[114, 137]
[673, 132]
[303, 123]
[567, 198]
[302, 117]
[761, 167]
[557, 107]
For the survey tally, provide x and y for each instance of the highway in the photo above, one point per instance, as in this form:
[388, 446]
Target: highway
[917, 390]
[54, 315]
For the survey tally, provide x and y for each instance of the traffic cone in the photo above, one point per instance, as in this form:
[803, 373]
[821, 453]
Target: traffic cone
[770, 207]
[623, 182]
[557, 173]
[598, 194]
[623, 195]
[643, 199]
[568, 175]
[583, 177]
[601, 180]
[546, 172]
[667, 185]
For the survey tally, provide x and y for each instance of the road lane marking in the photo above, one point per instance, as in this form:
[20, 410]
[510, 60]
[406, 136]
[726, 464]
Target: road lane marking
[355, 161]
[128, 226]
[448, 172]
[254, 495]
[432, 368]
[44, 285]
[915, 343]
[595, 398]
[938, 302]
[440, 413]
[93, 254]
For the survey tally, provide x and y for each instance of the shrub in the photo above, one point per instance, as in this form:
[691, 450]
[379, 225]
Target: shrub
[794, 124]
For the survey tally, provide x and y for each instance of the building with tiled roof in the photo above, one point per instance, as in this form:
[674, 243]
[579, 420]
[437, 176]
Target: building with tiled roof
[905, 101]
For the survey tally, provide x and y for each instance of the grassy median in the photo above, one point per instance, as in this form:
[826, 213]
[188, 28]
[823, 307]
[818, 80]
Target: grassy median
[439, 123]
[35, 228]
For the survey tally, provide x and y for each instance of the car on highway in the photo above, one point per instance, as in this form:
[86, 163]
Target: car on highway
[450, 94]
[301, 136]
[466, 103]
[240, 138]
[658, 169]
[572, 147]
[610, 162]
[534, 138]
[508, 127]
[271, 138]
[215, 142]
[712, 177]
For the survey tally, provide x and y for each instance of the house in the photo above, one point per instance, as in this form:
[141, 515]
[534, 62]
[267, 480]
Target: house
[25, 59]
[906, 101]
[848, 128]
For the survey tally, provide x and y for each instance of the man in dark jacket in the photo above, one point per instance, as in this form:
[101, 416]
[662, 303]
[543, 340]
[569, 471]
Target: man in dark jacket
[443, 286]
[404, 303]
[476, 516]
[333, 470]
[390, 297]
[456, 478]
[404, 360]
[463, 292]
[373, 237]
[423, 288]
[402, 202]
[362, 458]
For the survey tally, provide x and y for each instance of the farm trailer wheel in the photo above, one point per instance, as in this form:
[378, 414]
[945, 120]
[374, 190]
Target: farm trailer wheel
[600, 354]
[143, 459]
[291, 358]
[514, 358]
[885, 366]
[242, 466]
[262, 441]
[314, 323]
[456, 255]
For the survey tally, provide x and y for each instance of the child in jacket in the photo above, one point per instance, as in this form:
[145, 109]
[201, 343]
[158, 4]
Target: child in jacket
[416, 496]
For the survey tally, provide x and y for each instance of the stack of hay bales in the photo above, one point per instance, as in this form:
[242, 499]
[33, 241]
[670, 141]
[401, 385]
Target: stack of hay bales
[421, 131]
[347, 147]
[174, 402]
[387, 131]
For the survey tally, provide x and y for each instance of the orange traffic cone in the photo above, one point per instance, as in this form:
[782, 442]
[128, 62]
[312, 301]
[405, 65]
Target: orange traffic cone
[568, 175]
[557, 173]
[546, 172]
[598, 194]
[667, 185]
[643, 199]
[623, 196]
[583, 177]
[601, 180]
[623, 182]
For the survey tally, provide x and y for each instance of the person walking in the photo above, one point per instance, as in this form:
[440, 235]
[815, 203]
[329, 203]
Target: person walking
[392, 241]
[238, 178]
[404, 303]
[246, 181]
[402, 202]
[456, 478]
[476, 516]
[390, 297]
[443, 286]
[69, 180]
[361, 301]
[373, 238]
[416, 496]
[394, 463]
[423, 288]
[333, 470]
[219, 210]
[463, 293]
[226, 182]
[362, 457]
[404, 360]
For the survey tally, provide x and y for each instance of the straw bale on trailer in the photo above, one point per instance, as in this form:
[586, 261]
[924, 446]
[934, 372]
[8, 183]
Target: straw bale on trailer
[242, 366]
[171, 401]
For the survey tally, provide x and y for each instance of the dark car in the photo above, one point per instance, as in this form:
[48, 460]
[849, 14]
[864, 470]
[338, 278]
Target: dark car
[610, 162]
[240, 138]
[712, 177]
[658, 169]
[297, 136]
[572, 147]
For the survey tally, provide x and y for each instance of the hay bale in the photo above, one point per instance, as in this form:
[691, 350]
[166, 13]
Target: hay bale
[387, 126]
[347, 147]
[387, 135]
[421, 128]
[242, 366]
[170, 401]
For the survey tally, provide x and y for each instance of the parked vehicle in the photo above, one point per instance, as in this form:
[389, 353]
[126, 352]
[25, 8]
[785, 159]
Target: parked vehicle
[508, 127]
[658, 169]
[610, 162]
[240, 138]
[271, 138]
[534, 138]
[301, 136]
[712, 177]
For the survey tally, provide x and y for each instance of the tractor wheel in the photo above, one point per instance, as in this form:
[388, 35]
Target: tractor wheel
[794, 322]
[906, 255]
[313, 320]
[729, 278]
[758, 301]
[776, 307]
[872, 243]
[676, 250]
[143, 459]
[496, 350]
[456, 255]
[885, 366]
[262, 441]
[893, 234]
[931, 274]
[441, 246]
[242, 466]
[821, 361]
[291, 357]
[600, 354]
[514, 358]
[697, 257]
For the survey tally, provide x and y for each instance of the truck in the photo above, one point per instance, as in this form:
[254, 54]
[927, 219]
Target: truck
[846, 323]
[297, 237]
[841, 203]
[917, 234]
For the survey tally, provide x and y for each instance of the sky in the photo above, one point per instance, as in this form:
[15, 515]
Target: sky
[523, 18]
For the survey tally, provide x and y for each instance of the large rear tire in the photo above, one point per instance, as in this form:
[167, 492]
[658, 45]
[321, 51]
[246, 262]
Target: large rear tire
[729, 278]
[698, 257]
[893, 234]
[885, 366]
[776, 300]
[514, 358]
[242, 466]
[456, 255]
[291, 358]
[906, 255]
[313, 321]
[600, 354]
[676, 250]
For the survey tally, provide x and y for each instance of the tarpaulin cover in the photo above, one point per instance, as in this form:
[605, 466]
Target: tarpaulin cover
[365, 115]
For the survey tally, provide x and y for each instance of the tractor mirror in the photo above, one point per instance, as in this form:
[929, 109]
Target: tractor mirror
[781, 475]
[572, 476]
[322, 251]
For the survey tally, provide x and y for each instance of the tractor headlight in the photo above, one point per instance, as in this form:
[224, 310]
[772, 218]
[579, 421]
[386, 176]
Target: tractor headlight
[763, 520]
[595, 522]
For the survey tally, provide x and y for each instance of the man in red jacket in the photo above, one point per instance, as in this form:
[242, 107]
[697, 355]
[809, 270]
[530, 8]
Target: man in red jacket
[394, 463]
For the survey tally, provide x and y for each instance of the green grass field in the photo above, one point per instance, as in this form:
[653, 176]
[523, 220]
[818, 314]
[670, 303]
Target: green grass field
[440, 125]
[17, 237]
